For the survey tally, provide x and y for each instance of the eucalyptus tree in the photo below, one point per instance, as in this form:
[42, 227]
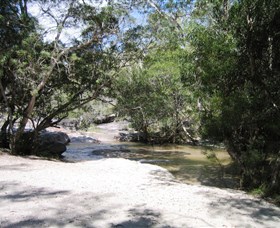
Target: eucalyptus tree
[51, 73]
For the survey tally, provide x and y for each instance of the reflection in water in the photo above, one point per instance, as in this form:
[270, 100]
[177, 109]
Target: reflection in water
[187, 163]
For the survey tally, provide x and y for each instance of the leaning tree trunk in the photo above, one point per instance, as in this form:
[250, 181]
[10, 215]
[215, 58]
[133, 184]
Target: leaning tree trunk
[17, 138]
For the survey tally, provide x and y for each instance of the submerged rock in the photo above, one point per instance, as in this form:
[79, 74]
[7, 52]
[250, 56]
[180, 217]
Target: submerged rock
[153, 161]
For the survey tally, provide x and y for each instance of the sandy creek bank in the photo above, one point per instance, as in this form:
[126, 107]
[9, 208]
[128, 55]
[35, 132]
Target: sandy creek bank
[117, 192]
[188, 164]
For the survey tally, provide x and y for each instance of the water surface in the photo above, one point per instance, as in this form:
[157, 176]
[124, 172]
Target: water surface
[189, 164]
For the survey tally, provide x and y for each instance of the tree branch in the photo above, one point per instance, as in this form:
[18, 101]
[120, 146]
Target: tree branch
[164, 15]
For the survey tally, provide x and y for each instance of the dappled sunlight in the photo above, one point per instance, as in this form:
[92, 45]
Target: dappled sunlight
[115, 192]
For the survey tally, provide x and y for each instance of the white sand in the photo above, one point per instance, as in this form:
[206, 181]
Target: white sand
[118, 193]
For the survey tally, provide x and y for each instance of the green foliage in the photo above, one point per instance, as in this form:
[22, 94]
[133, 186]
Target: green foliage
[154, 98]
[15, 24]
[237, 65]
[43, 81]
[208, 68]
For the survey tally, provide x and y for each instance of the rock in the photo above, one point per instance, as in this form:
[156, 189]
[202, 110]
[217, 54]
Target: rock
[48, 144]
[54, 137]
[105, 119]
[153, 161]
[54, 149]
[52, 144]
[84, 139]
[130, 137]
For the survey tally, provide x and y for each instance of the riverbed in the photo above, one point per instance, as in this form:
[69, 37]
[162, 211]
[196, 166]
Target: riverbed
[188, 164]
[94, 190]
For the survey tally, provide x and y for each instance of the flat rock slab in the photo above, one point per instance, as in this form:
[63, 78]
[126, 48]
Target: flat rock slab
[118, 193]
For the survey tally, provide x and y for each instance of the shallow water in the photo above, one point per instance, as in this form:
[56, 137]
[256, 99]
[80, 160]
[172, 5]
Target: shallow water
[188, 164]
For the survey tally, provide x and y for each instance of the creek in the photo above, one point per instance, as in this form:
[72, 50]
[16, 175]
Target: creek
[188, 164]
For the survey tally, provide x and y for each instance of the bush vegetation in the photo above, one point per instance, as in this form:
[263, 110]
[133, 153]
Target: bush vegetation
[191, 70]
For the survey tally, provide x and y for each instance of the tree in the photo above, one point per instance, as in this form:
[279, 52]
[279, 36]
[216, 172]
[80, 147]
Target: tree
[14, 21]
[256, 26]
[154, 97]
[47, 79]
[15, 24]
[237, 63]
[152, 92]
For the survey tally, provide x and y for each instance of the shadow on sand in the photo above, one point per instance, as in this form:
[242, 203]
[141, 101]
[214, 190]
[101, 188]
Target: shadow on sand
[40, 207]
[30, 206]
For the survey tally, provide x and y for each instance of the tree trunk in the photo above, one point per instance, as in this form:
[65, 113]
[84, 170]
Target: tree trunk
[4, 135]
[275, 182]
[25, 144]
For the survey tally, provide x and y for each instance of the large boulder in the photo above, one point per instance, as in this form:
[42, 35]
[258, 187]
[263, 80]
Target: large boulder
[48, 144]
[52, 144]
[54, 137]
[53, 150]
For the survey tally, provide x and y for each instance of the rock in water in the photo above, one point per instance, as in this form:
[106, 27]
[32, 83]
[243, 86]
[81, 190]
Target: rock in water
[84, 139]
